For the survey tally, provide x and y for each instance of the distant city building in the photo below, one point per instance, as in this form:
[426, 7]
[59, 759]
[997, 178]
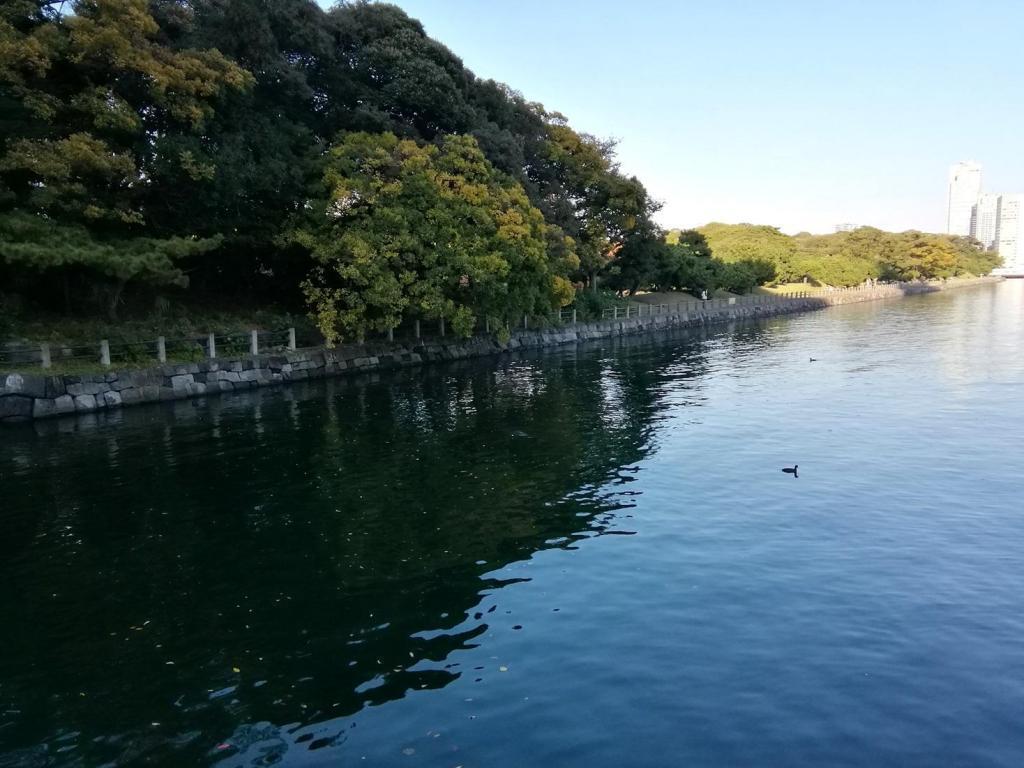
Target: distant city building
[964, 191]
[986, 219]
[993, 219]
[847, 227]
[1011, 235]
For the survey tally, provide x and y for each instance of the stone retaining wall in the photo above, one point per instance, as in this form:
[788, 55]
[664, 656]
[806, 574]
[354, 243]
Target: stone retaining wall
[25, 396]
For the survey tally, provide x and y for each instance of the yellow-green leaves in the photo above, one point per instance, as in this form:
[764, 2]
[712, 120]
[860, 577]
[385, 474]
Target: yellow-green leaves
[105, 110]
[102, 106]
[67, 169]
[405, 231]
[117, 37]
[196, 170]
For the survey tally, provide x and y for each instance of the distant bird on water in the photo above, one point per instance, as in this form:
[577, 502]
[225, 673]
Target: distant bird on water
[792, 470]
[813, 360]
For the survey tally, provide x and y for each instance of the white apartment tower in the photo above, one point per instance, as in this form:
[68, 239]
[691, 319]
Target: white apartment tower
[995, 220]
[1011, 235]
[964, 190]
[986, 219]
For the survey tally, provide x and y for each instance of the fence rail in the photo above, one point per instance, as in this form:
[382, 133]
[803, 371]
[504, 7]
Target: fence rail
[159, 349]
[256, 341]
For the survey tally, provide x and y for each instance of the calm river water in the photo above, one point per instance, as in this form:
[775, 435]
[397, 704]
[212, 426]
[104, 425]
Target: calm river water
[586, 557]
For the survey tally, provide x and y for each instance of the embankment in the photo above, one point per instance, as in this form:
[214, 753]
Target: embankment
[27, 396]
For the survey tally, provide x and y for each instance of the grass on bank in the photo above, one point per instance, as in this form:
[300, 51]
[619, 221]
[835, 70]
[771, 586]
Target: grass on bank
[789, 288]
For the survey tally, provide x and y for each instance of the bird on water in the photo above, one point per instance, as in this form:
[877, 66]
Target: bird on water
[792, 470]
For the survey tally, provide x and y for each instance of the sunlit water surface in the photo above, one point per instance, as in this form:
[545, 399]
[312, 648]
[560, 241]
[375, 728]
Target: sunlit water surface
[586, 557]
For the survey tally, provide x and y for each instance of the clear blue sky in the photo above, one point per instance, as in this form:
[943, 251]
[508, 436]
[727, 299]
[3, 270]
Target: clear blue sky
[797, 113]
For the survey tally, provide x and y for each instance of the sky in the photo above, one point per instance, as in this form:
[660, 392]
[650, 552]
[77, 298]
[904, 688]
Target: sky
[794, 113]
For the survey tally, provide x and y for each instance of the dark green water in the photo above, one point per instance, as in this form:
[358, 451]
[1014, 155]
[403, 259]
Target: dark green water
[587, 557]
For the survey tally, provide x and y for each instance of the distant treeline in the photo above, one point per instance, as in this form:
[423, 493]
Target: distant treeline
[338, 162]
[738, 257]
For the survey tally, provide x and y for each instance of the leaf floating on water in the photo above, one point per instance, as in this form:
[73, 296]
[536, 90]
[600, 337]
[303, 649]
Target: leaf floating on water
[408, 751]
[503, 669]
[235, 669]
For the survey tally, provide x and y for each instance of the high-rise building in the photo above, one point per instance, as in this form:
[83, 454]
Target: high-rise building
[986, 219]
[995, 220]
[1011, 235]
[964, 190]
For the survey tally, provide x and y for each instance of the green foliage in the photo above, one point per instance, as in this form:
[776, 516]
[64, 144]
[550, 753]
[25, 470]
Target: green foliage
[93, 93]
[744, 276]
[750, 244]
[590, 305]
[687, 264]
[972, 258]
[684, 261]
[40, 244]
[142, 140]
[402, 230]
[209, 119]
[846, 258]
[596, 205]
[639, 258]
[850, 258]
[94, 85]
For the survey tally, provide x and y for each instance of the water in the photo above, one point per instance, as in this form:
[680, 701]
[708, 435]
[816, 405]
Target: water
[586, 557]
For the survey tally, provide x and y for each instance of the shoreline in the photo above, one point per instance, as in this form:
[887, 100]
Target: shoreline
[25, 397]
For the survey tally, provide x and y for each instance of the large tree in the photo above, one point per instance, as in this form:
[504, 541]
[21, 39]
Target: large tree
[261, 146]
[207, 120]
[404, 230]
[687, 264]
[100, 101]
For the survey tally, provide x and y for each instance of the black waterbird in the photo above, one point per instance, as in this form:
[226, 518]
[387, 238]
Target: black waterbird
[792, 470]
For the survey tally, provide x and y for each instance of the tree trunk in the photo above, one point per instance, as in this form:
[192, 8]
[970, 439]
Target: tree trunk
[115, 299]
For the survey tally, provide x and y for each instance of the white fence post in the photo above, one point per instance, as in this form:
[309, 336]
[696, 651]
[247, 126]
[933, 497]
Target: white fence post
[291, 339]
[104, 352]
[44, 355]
[391, 334]
[417, 328]
[161, 349]
[442, 326]
[211, 346]
[254, 342]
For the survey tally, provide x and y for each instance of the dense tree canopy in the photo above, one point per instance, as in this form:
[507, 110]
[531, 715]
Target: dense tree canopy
[849, 258]
[98, 107]
[206, 125]
[169, 146]
[407, 230]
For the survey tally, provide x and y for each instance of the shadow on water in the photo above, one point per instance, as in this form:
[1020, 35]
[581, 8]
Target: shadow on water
[177, 578]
